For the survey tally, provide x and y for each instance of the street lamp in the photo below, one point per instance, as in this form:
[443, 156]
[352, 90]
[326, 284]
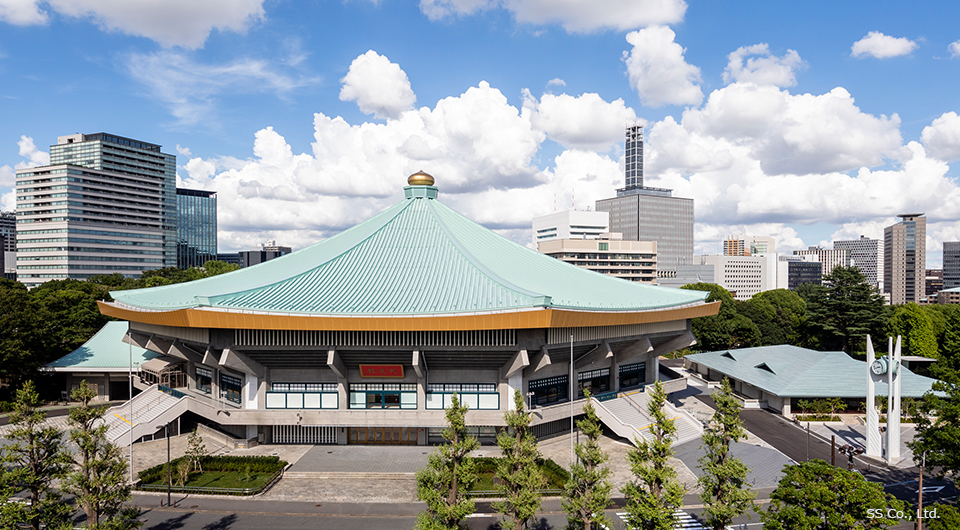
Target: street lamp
[130, 396]
[572, 393]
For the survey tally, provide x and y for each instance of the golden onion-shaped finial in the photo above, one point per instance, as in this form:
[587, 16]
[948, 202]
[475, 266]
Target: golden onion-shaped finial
[420, 179]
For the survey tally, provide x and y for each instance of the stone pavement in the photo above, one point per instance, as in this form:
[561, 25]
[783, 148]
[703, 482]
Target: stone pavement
[362, 459]
[856, 435]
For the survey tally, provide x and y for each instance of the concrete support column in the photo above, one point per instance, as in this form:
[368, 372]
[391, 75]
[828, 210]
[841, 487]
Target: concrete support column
[514, 383]
[251, 388]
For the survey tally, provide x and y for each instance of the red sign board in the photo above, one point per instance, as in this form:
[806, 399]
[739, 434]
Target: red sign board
[381, 370]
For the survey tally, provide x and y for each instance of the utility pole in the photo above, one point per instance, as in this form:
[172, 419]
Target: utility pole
[572, 393]
[808, 441]
[833, 450]
[923, 462]
[166, 431]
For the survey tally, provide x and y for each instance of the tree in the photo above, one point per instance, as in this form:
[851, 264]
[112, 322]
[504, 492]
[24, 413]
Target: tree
[817, 496]
[449, 475]
[947, 368]
[587, 494]
[912, 323]
[948, 517]
[215, 268]
[655, 494]
[195, 451]
[779, 314]
[938, 429]
[724, 480]
[36, 458]
[726, 329]
[844, 310]
[21, 334]
[520, 477]
[98, 480]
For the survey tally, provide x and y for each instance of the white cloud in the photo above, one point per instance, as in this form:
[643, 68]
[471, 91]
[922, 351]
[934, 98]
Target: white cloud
[954, 49]
[8, 177]
[881, 46]
[185, 23]
[582, 122]
[762, 67]
[556, 82]
[185, 151]
[22, 12]
[189, 89]
[378, 86]
[658, 71]
[942, 137]
[34, 157]
[576, 16]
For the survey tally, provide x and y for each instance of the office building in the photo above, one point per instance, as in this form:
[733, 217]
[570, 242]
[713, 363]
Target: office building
[643, 213]
[904, 258]
[571, 224]
[830, 259]
[364, 337]
[196, 227]
[951, 264]
[8, 244]
[949, 296]
[794, 271]
[933, 284]
[744, 245]
[230, 257]
[743, 276]
[105, 204]
[631, 260]
[265, 252]
[866, 255]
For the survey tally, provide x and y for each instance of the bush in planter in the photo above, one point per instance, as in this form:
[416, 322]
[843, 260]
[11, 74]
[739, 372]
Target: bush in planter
[257, 465]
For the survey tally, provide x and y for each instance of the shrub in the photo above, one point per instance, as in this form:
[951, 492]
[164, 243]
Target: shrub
[256, 464]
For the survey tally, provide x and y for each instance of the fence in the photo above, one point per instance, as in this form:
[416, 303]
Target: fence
[486, 494]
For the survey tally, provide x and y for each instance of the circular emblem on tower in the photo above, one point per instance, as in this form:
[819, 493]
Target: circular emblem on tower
[879, 366]
[420, 179]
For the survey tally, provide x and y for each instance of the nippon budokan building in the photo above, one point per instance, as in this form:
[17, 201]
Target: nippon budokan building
[364, 337]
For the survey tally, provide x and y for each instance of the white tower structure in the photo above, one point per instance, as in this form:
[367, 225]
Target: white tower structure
[887, 367]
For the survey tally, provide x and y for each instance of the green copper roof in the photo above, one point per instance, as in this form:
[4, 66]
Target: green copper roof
[417, 257]
[790, 371]
[105, 351]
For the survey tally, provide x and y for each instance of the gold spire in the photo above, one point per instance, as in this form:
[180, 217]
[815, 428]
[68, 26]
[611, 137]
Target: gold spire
[420, 179]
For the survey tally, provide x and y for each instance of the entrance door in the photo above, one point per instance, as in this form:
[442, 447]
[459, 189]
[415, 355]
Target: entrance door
[383, 435]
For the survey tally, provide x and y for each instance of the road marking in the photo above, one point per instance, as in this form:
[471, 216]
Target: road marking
[685, 521]
[899, 483]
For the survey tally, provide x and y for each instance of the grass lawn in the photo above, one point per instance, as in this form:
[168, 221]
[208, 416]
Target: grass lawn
[220, 479]
[486, 480]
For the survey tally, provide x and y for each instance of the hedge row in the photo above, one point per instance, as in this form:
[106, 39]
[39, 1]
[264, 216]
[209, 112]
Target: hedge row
[257, 464]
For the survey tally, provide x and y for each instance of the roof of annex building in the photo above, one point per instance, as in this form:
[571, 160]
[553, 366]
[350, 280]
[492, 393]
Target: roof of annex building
[416, 258]
[104, 352]
[790, 371]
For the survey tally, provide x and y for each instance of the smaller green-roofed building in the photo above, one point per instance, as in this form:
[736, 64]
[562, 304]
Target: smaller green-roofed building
[103, 362]
[778, 377]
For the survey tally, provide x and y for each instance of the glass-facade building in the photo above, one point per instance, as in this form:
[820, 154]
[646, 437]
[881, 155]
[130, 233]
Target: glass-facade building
[106, 204]
[196, 227]
[951, 264]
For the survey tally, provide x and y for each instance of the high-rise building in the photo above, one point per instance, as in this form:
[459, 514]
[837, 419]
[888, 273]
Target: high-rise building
[266, 252]
[866, 255]
[196, 227]
[933, 284]
[744, 245]
[571, 224]
[8, 242]
[642, 213]
[830, 259]
[106, 204]
[631, 260]
[904, 258]
[744, 276]
[794, 271]
[951, 264]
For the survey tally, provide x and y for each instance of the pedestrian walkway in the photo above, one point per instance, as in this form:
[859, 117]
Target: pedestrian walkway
[685, 521]
[856, 435]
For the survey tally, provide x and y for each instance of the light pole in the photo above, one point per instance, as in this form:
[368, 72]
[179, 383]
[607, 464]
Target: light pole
[130, 395]
[572, 390]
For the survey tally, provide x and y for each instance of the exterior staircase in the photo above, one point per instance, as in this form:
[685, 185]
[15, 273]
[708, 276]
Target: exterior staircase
[152, 409]
[626, 415]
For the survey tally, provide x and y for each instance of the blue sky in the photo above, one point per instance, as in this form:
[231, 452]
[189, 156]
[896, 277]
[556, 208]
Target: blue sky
[806, 121]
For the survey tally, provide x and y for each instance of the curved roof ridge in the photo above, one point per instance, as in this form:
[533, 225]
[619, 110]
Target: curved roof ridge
[477, 264]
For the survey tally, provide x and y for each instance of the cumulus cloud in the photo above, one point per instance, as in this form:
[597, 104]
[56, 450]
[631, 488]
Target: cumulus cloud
[658, 71]
[576, 16]
[556, 82]
[34, 157]
[582, 122]
[183, 23]
[22, 12]
[942, 137]
[378, 86]
[762, 67]
[881, 46]
[7, 177]
[189, 89]
[954, 49]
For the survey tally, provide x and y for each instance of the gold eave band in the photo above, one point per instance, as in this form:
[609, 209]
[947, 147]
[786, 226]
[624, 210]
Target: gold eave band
[545, 318]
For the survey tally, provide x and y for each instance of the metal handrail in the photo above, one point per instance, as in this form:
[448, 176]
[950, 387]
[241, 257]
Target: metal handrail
[498, 493]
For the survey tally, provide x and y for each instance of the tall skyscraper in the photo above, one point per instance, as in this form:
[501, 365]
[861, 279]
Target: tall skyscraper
[8, 241]
[196, 227]
[744, 245]
[951, 264]
[866, 255]
[904, 258]
[643, 213]
[105, 204]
